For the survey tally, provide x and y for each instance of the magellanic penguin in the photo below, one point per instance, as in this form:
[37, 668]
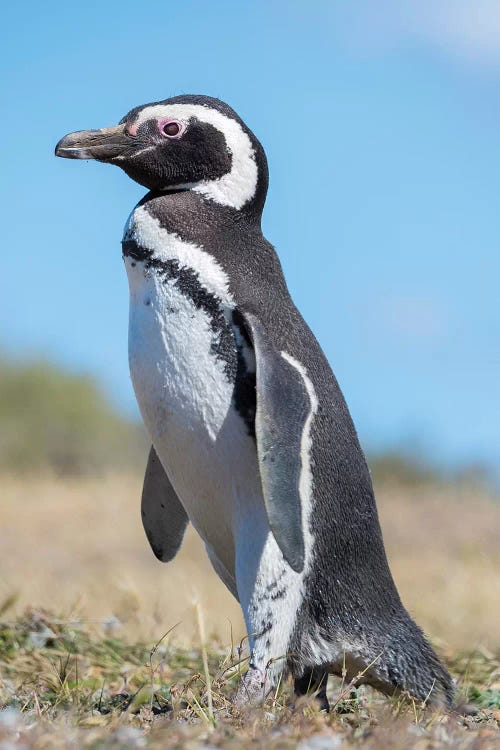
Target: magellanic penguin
[252, 439]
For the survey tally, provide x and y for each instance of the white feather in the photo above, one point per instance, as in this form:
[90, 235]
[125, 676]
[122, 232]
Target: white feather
[147, 231]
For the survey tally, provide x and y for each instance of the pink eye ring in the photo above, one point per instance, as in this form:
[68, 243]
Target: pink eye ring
[170, 128]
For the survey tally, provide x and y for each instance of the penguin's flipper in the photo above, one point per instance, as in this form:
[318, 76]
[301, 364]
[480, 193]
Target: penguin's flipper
[283, 406]
[163, 516]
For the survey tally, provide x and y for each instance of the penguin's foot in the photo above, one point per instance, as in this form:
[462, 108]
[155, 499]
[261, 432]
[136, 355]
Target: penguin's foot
[313, 682]
[253, 688]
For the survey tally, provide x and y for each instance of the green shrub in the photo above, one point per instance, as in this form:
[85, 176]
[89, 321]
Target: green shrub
[50, 419]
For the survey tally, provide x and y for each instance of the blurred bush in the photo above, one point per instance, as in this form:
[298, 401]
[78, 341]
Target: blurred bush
[403, 469]
[53, 420]
[413, 470]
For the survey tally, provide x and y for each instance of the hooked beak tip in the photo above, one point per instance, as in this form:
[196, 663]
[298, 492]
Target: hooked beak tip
[70, 152]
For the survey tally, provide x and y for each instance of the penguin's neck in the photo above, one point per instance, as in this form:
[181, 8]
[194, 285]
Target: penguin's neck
[192, 216]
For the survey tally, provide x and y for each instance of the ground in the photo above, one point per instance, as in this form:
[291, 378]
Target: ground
[102, 647]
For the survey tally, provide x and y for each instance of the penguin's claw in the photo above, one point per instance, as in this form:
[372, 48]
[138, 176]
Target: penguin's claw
[252, 690]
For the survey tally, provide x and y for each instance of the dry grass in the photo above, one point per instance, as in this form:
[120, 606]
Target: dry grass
[78, 549]
[444, 551]
[65, 686]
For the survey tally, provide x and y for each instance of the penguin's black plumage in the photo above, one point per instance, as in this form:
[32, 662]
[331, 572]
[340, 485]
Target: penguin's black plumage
[252, 439]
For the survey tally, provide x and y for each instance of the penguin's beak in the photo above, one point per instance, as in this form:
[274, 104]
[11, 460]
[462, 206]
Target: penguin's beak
[104, 145]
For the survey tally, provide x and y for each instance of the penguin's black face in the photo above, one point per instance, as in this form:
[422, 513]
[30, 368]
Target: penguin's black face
[188, 142]
[173, 152]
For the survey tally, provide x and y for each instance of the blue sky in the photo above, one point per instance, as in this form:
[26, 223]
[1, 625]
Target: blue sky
[382, 133]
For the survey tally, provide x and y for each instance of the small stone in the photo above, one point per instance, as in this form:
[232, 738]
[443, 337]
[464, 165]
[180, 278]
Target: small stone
[487, 733]
[10, 718]
[321, 742]
[421, 745]
[111, 625]
[40, 638]
[130, 736]
[416, 729]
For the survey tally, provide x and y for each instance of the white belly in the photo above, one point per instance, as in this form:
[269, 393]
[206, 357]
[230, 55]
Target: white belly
[185, 399]
[178, 364]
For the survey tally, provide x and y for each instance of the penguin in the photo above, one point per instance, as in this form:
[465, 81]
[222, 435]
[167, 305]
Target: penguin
[252, 440]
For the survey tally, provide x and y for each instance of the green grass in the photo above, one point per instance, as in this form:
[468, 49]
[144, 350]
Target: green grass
[71, 685]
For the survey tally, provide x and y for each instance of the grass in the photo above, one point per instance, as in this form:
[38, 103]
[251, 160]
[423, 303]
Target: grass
[66, 685]
[131, 661]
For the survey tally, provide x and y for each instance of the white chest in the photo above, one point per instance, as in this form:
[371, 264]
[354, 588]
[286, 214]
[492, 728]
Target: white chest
[183, 354]
[178, 378]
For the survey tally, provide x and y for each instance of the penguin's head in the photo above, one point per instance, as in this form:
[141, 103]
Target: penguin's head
[184, 143]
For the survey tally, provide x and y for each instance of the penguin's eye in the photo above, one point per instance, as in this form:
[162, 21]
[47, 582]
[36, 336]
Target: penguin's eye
[171, 128]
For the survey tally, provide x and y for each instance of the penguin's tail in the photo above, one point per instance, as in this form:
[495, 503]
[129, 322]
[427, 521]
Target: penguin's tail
[410, 665]
[390, 654]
